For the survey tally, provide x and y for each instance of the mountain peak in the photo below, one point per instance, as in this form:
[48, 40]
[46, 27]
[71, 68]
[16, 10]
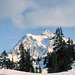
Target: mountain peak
[29, 34]
[47, 33]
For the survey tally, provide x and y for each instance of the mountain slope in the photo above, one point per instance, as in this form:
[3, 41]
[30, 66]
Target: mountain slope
[39, 45]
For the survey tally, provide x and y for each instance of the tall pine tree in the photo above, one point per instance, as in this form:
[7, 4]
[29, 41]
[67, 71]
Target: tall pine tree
[48, 62]
[22, 57]
[54, 62]
[62, 51]
[25, 60]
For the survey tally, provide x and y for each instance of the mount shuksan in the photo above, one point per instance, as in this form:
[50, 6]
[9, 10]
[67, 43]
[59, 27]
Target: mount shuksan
[39, 45]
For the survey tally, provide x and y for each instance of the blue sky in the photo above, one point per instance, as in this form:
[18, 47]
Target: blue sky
[19, 17]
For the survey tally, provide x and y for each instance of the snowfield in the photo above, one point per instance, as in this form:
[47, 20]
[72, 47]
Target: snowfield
[14, 72]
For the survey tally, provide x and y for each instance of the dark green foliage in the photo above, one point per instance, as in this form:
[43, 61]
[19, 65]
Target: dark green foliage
[25, 60]
[28, 62]
[32, 69]
[51, 62]
[48, 62]
[4, 54]
[61, 57]
[9, 64]
[22, 57]
[70, 47]
[58, 39]
[62, 50]
[54, 62]
[6, 61]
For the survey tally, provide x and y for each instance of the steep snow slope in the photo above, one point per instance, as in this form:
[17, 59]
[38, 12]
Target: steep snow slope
[13, 72]
[39, 45]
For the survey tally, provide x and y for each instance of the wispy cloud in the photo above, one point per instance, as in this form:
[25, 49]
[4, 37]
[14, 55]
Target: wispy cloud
[36, 13]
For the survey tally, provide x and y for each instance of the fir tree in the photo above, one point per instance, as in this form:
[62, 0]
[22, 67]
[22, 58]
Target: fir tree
[62, 51]
[22, 57]
[4, 54]
[27, 60]
[54, 62]
[48, 62]
[58, 39]
[70, 48]
[51, 62]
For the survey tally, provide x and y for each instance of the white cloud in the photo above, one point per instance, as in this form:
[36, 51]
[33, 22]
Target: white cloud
[38, 12]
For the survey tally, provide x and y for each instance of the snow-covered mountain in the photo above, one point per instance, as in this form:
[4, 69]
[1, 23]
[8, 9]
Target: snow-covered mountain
[39, 45]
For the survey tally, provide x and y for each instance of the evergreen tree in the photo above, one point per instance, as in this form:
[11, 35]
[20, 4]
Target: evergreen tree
[54, 62]
[58, 39]
[62, 51]
[9, 64]
[25, 60]
[70, 48]
[28, 62]
[48, 62]
[22, 57]
[4, 54]
[51, 62]
[61, 57]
